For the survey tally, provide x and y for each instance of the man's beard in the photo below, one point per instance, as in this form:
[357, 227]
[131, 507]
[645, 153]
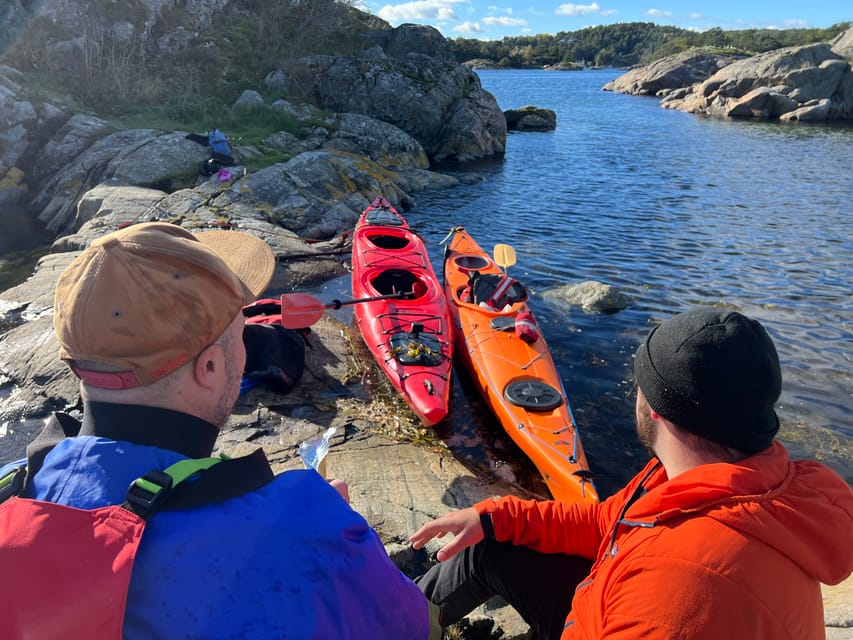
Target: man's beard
[646, 429]
[228, 400]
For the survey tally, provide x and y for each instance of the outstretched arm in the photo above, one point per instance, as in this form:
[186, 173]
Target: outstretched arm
[464, 524]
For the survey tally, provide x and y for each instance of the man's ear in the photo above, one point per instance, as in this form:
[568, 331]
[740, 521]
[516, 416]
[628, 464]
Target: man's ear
[209, 365]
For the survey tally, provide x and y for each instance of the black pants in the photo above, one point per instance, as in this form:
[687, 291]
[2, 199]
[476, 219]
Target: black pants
[539, 586]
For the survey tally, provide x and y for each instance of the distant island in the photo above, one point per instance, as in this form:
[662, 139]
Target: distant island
[626, 45]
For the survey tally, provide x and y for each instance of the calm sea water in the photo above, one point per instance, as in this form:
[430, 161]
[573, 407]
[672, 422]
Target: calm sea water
[674, 210]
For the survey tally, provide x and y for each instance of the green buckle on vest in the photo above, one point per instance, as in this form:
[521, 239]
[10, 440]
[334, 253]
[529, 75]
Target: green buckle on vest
[146, 492]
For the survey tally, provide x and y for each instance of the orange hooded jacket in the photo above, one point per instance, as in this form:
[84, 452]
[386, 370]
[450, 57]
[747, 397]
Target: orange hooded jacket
[722, 551]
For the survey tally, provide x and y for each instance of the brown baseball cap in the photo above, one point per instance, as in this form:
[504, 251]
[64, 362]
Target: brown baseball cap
[140, 302]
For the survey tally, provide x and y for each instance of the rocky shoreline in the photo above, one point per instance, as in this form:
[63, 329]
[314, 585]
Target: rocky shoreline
[83, 181]
[811, 83]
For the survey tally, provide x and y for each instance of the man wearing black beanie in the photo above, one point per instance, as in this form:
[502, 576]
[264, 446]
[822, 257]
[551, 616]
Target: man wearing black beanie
[714, 373]
[721, 535]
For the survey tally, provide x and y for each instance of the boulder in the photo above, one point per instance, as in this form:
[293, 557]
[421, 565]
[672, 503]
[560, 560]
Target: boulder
[842, 44]
[161, 160]
[793, 80]
[816, 111]
[136, 157]
[762, 103]
[310, 195]
[530, 118]
[383, 143]
[669, 73]
[249, 99]
[320, 193]
[109, 205]
[408, 79]
[592, 296]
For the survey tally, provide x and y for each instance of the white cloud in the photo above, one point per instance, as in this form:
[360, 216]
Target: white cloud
[419, 10]
[695, 16]
[494, 21]
[659, 13]
[782, 24]
[775, 24]
[468, 27]
[580, 9]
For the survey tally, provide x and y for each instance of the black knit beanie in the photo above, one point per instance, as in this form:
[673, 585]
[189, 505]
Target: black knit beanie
[715, 373]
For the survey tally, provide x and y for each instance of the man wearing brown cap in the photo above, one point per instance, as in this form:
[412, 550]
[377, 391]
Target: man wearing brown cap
[149, 318]
[719, 536]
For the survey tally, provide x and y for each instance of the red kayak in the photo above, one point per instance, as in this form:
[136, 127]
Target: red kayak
[410, 337]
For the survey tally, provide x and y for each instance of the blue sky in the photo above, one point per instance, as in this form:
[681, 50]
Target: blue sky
[491, 20]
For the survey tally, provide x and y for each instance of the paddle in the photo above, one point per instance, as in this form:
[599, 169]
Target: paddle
[302, 310]
[504, 255]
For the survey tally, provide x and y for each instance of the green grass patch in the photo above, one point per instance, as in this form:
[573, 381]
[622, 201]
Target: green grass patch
[242, 126]
[270, 157]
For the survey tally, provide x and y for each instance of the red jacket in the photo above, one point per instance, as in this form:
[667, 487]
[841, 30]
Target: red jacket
[722, 551]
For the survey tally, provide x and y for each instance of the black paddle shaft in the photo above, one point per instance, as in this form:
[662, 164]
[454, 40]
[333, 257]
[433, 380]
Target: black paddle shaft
[337, 304]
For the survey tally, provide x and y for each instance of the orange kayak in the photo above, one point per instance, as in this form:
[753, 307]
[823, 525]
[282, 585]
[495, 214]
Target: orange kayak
[507, 357]
[409, 337]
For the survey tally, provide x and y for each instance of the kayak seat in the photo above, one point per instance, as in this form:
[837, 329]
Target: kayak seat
[496, 290]
[394, 281]
[384, 241]
[470, 263]
[383, 217]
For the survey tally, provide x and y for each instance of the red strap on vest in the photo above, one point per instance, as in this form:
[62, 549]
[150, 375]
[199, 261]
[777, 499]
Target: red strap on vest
[500, 295]
[56, 557]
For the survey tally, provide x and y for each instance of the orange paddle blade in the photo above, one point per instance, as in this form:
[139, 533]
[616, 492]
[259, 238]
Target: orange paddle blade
[300, 310]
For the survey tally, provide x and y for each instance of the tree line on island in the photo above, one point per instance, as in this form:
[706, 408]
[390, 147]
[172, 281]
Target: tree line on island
[628, 44]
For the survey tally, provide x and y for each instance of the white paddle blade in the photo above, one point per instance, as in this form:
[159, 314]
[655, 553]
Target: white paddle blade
[504, 255]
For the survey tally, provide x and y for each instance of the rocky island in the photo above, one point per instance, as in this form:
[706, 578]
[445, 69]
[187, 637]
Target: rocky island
[811, 83]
